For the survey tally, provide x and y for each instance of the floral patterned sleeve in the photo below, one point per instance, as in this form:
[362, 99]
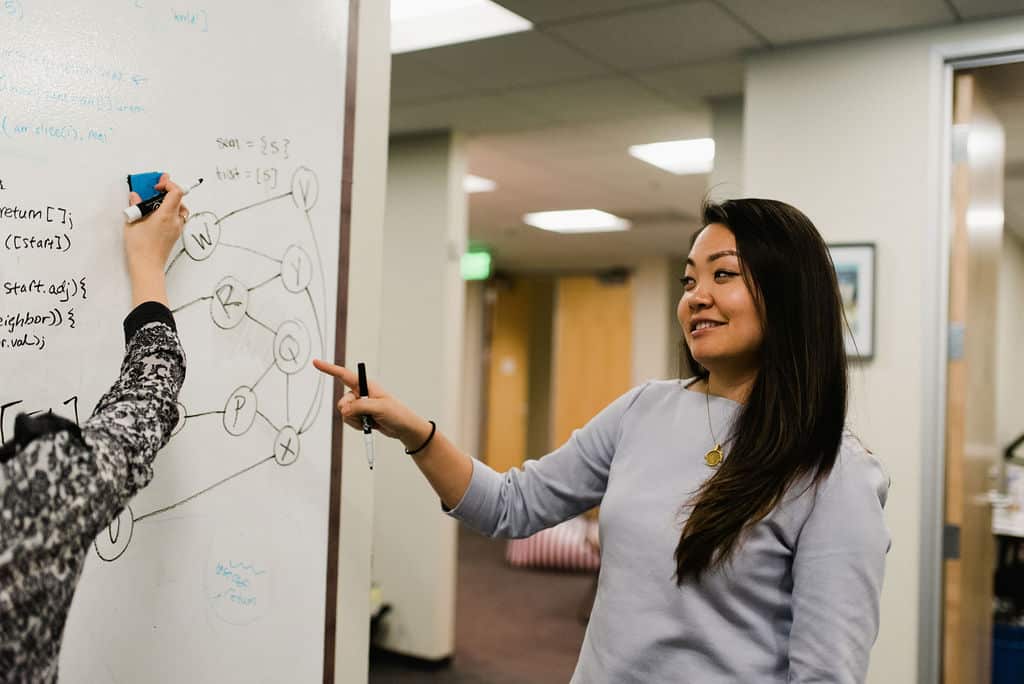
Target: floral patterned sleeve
[62, 486]
[134, 419]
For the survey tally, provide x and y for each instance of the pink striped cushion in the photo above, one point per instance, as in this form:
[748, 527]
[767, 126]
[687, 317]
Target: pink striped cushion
[562, 547]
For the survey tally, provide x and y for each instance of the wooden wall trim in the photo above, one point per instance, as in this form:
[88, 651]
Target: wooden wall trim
[340, 332]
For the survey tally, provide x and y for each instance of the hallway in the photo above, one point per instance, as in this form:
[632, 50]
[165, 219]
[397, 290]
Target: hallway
[512, 626]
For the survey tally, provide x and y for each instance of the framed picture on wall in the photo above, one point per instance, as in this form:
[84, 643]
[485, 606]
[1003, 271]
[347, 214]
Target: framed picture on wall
[855, 270]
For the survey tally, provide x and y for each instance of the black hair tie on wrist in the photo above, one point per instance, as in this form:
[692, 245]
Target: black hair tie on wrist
[433, 429]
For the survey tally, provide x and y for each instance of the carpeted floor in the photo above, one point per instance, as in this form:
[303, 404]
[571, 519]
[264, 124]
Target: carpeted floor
[511, 626]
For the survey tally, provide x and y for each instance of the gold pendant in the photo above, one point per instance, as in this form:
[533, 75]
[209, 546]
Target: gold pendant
[714, 457]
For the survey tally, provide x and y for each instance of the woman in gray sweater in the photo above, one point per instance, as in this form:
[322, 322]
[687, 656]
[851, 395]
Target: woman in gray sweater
[742, 530]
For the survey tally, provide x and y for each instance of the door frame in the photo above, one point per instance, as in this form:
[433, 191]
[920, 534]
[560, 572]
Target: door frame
[945, 59]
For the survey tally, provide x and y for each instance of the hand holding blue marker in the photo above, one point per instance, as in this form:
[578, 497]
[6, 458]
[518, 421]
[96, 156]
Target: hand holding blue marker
[364, 391]
[148, 205]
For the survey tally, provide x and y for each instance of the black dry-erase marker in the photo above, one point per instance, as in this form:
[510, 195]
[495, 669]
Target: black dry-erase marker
[147, 207]
[364, 391]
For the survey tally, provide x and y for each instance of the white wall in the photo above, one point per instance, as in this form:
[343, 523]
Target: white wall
[726, 179]
[653, 319]
[421, 346]
[848, 133]
[1010, 342]
[363, 333]
[469, 437]
[539, 417]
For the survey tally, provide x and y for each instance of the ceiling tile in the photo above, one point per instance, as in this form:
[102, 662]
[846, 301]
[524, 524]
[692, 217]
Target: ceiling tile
[578, 167]
[540, 11]
[692, 82]
[528, 249]
[511, 61]
[791, 21]
[694, 31]
[467, 114]
[974, 9]
[662, 216]
[412, 79]
[592, 100]
[623, 184]
[585, 143]
[531, 182]
[581, 165]
[693, 123]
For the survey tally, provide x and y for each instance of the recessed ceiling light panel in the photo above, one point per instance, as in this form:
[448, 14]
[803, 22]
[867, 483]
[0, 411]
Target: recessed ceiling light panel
[471, 183]
[678, 156]
[576, 221]
[985, 218]
[422, 24]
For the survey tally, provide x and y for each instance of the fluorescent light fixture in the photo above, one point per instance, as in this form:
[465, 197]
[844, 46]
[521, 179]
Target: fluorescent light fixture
[985, 218]
[422, 24]
[576, 221]
[986, 144]
[473, 183]
[678, 156]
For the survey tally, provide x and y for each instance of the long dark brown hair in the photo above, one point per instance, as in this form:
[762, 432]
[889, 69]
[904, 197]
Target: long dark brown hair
[791, 425]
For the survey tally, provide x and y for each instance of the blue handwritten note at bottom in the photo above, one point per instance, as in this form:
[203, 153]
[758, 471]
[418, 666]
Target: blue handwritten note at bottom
[239, 591]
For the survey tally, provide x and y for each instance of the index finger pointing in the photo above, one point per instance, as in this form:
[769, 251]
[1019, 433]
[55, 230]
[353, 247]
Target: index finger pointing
[345, 375]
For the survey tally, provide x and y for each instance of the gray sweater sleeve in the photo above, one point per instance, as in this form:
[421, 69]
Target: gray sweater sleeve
[838, 566]
[544, 492]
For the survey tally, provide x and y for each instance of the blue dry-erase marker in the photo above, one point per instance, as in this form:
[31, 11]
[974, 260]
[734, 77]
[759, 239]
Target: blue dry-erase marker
[148, 206]
[364, 391]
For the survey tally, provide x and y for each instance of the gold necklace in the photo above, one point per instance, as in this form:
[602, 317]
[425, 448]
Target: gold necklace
[714, 457]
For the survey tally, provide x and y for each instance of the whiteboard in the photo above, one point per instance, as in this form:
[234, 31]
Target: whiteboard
[217, 570]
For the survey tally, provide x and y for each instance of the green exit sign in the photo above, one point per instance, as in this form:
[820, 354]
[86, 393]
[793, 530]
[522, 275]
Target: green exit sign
[476, 265]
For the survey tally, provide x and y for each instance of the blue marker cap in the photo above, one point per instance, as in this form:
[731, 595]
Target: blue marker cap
[136, 211]
[144, 184]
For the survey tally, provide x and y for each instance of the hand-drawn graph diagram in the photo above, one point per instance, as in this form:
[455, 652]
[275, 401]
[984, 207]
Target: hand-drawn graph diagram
[246, 281]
